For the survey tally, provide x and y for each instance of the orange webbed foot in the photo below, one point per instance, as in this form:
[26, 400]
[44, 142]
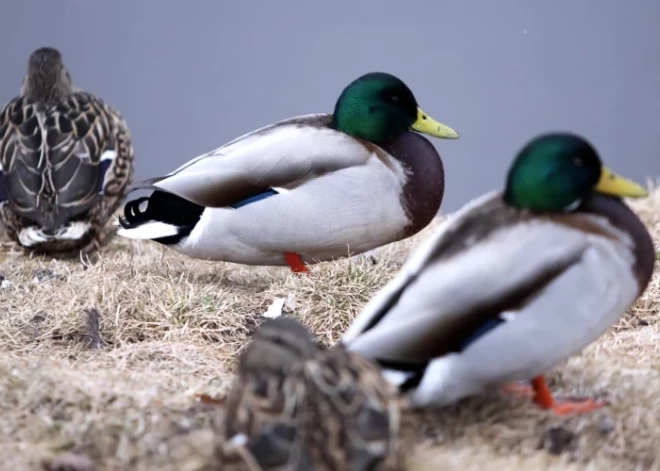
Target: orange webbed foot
[576, 406]
[542, 396]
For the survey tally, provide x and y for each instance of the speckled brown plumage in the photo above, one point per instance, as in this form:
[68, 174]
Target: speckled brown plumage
[297, 406]
[52, 139]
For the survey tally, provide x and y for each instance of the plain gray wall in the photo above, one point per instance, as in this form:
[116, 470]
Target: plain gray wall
[191, 75]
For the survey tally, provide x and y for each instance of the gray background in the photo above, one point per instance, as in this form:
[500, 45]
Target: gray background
[191, 75]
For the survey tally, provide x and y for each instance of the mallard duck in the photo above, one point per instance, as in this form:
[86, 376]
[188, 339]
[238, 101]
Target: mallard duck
[513, 283]
[297, 405]
[66, 160]
[303, 190]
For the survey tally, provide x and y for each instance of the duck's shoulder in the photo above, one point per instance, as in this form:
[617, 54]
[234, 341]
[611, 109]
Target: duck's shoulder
[480, 219]
[602, 216]
[474, 224]
[318, 120]
[313, 121]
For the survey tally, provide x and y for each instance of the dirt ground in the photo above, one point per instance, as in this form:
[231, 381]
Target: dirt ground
[169, 330]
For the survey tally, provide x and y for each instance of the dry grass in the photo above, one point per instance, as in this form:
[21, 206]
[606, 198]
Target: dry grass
[170, 330]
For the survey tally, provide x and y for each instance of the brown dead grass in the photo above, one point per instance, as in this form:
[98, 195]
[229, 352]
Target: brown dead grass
[170, 331]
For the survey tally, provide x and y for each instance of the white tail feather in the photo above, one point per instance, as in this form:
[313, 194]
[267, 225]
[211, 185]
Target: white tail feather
[149, 230]
[395, 377]
[33, 235]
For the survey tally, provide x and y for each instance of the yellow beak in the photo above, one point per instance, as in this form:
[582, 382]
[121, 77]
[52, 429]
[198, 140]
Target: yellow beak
[612, 184]
[427, 125]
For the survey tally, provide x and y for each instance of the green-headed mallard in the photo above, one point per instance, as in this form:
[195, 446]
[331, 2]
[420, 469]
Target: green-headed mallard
[297, 405]
[66, 160]
[306, 189]
[515, 282]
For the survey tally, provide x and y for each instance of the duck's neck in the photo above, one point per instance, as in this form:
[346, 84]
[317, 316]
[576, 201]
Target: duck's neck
[45, 87]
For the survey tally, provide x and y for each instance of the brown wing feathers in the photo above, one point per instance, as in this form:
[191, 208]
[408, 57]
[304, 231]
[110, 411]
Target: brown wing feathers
[52, 157]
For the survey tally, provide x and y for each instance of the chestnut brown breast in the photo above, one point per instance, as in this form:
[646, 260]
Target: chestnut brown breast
[623, 218]
[423, 192]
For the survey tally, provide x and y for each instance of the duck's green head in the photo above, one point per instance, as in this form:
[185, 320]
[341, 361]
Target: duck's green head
[379, 106]
[556, 171]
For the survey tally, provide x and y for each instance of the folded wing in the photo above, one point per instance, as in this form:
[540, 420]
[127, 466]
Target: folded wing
[284, 155]
[453, 286]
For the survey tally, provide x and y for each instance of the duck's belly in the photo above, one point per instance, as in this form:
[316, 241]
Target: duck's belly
[356, 210]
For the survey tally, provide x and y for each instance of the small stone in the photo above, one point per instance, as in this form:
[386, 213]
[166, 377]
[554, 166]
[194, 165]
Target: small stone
[69, 462]
[41, 276]
[4, 282]
[606, 425]
[557, 439]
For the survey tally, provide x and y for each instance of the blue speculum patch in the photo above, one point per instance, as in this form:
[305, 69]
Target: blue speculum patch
[486, 327]
[253, 199]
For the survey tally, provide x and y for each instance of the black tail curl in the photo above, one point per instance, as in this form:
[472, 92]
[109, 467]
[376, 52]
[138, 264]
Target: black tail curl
[162, 207]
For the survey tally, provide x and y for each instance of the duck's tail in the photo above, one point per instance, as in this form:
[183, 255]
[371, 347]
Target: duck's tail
[163, 217]
[404, 376]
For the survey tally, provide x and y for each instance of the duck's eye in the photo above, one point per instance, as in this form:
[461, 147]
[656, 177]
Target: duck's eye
[394, 99]
[577, 161]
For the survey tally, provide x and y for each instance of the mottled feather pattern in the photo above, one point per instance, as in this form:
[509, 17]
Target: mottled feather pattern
[354, 390]
[297, 405]
[52, 161]
[3, 187]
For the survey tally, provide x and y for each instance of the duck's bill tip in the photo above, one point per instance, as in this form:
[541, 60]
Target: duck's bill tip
[612, 184]
[427, 125]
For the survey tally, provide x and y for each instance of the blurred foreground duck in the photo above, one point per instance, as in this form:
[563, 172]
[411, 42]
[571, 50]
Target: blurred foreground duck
[513, 283]
[66, 160]
[296, 405]
[304, 190]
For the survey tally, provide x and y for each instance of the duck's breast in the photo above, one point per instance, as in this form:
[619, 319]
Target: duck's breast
[624, 219]
[425, 186]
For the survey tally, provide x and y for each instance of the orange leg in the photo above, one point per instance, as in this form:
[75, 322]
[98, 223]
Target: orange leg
[543, 397]
[295, 262]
